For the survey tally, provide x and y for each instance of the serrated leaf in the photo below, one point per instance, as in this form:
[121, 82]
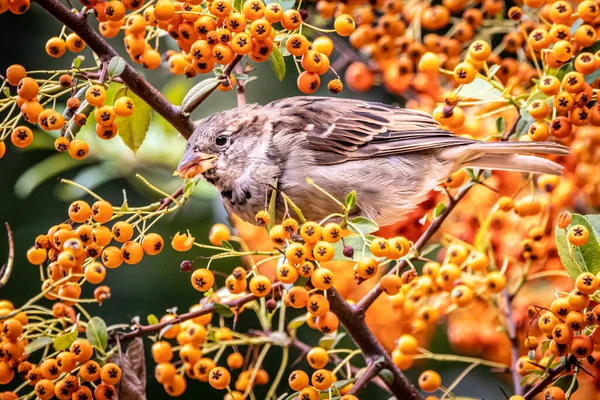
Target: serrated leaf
[133, 129]
[565, 381]
[223, 310]
[63, 342]
[226, 245]
[439, 209]
[297, 322]
[116, 66]
[277, 63]
[578, 259]
[480, 89]
[37, 344]
[357, 244]
[363, 225]
[351, 200]
[500, 124]
[198, 92]
[152, 319]
[96, 333]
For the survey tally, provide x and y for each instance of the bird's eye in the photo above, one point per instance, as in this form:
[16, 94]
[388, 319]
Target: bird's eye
[221, 140]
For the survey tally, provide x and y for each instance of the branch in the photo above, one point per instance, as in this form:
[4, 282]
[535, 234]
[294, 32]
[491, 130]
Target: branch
[370, 297]
[372, 350]
[514, 341]
[134, 81]
[544, 382]
[206, 309]
[6, 269]
[369, 373]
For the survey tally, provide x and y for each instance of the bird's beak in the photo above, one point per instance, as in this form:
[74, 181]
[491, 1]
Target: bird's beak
[195, 164]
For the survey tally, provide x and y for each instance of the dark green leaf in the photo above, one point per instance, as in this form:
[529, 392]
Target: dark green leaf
[65, 341]
[387, 376]
[500, 125]
[363, 225]
[152, 319]
[439, 209]
[343, 383]
[578, 259]
[223, 310]
[37, 344]
[593, 48]
[198, 93]
[116, 66]
[133, 129]
[277, 63]
[96, 333]
[226, 245]
[351, 200]
[337, 339]
[565, 381]
[591, 78]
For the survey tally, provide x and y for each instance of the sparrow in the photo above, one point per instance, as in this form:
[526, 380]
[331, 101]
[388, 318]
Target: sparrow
[391, 157]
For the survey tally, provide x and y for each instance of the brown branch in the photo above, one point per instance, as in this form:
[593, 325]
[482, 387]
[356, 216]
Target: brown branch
[6, 269]
[206, 309]
[372, 350]
[367, 376]
[134, 81]
[166, 202]
[544, 382]
[370, 297]
[514, 341]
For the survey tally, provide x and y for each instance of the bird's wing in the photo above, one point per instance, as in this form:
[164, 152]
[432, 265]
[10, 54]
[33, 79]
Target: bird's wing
[339, 130]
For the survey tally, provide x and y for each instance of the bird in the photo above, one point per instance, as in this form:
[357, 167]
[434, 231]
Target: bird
[392, 157]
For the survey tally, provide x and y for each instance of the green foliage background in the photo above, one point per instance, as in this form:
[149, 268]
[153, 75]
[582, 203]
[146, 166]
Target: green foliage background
[156, 284]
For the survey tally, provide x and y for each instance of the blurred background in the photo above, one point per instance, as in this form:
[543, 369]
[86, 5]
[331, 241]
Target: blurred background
[32, 200]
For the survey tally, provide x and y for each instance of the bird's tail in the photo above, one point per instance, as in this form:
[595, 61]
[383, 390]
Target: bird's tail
[509, 156]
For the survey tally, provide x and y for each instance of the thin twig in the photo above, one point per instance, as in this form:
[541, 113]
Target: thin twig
[7, 268]
[514, 341]
[544, 382]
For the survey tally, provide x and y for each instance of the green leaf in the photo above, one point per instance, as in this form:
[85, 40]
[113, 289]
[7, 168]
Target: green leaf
[96, 333]
[277, 63]
[37, 344]
[327, 340]
[116, 66]
[480, 89]
[343, 383]
[387, 376]
[500, 124]
[493, 70]
[562, 71]
[591, 78]
[283, 48]
[226, 245]
[198, 93]
[338, 339]
[238, 5]
[152, 319]
[285, 4]
[188, 189]
[430, 249]
[523, 125]
[272, 209]
[439, 209]
[48, 168]
[6, 91]
[63, 342]
[133, 129]
[223, 310]
[297, 322]
[363, 225]
[77, 61]
[357, 244]
[578, 259]
[351, 200]
[564, 382]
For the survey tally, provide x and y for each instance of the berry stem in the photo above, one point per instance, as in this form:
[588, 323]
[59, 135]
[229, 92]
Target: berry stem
[6, 269]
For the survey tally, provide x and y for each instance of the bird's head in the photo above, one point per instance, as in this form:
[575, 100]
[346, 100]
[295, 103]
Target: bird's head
[223, 144]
